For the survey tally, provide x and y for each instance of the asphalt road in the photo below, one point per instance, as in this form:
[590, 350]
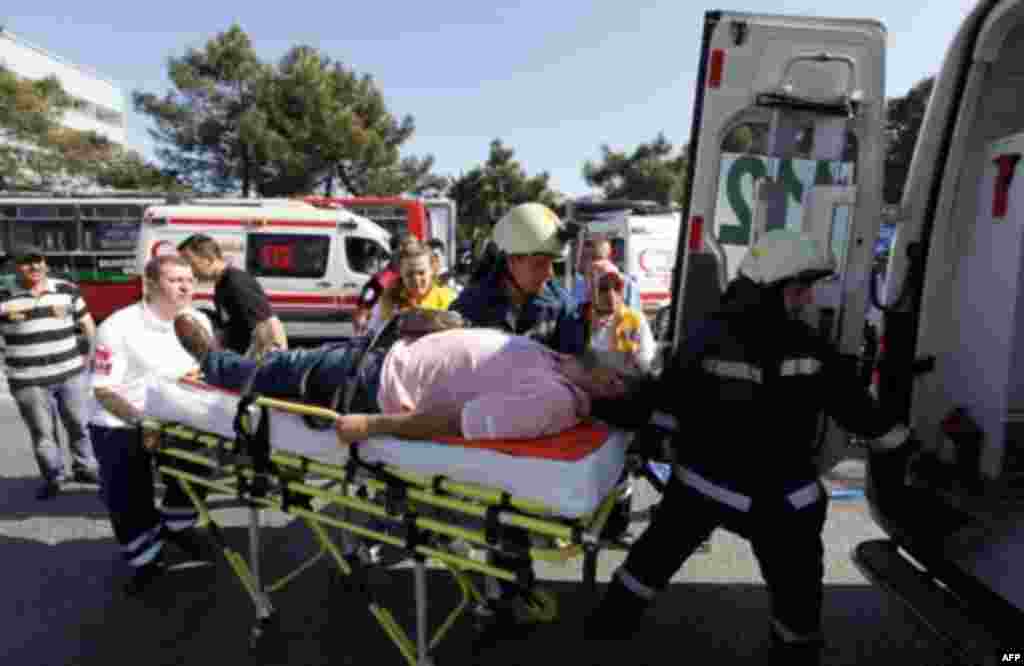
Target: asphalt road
[61, 602]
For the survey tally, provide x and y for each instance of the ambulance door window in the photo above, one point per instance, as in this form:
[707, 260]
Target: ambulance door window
[287, 255]
[365, 255]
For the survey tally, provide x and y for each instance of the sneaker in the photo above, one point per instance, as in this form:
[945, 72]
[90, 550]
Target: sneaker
[48, 490]
[189, 542]
[143, 577]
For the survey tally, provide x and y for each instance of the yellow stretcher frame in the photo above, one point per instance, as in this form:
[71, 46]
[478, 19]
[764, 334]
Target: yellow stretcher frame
[285, 490]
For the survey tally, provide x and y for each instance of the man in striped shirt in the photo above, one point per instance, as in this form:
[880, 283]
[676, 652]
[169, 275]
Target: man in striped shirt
[40, 318]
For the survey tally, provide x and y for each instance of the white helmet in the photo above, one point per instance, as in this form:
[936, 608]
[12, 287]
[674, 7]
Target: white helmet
[782, 254]
[529, 228]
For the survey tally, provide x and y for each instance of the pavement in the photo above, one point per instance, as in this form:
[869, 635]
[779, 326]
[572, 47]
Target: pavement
[62, 603]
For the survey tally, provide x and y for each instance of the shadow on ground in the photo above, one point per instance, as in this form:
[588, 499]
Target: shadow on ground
[202, 615]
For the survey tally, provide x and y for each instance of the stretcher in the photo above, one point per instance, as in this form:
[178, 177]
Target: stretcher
[455, 503]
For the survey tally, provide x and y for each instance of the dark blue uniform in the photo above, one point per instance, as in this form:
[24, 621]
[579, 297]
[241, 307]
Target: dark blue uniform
[551, 317]
[751, 385]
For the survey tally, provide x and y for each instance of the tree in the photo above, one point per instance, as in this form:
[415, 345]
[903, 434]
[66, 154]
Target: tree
[36, 152]
[128, 170]
[486, 191]
[316, 121]
[650, 173]
[903, 116]
[234, 121]
[199, 124]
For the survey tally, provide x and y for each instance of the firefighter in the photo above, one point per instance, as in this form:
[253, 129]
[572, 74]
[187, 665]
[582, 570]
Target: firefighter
[518, 294]
[759, 378]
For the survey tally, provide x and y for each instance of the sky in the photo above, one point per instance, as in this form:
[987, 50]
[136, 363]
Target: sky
[554, 80]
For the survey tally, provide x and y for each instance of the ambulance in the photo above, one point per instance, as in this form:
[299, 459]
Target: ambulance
[312, 262]
[788, 132]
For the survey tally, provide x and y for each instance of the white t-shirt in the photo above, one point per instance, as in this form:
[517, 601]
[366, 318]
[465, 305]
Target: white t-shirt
[133, 345]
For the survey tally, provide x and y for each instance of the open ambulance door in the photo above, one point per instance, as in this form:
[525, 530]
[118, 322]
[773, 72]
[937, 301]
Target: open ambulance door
[787, 133]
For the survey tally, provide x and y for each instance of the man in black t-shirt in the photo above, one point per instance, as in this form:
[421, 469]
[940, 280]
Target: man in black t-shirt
[249, 324]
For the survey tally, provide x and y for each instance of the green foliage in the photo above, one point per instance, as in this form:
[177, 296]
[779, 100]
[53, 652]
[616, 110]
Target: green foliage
[652, 172]
[305, 122]
[36, 152]
[486, 191]
[904, 116]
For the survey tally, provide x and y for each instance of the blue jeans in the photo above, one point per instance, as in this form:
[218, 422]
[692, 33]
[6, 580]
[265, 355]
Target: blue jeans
[40, 406]
[316, 376]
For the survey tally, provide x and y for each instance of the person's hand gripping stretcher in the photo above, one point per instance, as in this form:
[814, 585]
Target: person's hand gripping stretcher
[437, 380]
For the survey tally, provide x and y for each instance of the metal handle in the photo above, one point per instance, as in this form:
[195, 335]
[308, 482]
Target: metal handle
[323, 283]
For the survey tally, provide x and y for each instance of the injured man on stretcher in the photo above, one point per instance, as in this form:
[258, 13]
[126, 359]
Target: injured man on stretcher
[473, 383]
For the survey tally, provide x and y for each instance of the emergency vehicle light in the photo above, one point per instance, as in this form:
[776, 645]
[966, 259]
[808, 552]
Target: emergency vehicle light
[696, 240]
[717, 66]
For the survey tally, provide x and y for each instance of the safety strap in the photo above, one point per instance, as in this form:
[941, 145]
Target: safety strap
[349, 393]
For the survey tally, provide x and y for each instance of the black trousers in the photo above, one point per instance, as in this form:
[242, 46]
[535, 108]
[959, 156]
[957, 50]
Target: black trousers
[786, 542]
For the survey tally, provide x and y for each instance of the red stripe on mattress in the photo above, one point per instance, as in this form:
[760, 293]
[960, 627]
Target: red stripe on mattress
[572, 445]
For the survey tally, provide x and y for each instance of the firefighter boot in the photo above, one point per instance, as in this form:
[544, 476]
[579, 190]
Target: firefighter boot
[618, 616]
[796, 651]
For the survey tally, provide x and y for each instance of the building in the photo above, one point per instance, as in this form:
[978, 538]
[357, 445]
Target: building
[99, 103]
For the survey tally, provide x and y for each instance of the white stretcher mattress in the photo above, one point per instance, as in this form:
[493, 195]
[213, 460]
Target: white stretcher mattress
[571, 488]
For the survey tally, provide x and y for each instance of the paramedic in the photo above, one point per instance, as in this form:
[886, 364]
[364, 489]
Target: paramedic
[243, 309]
[615, 329]
[518, 295]
[417, 287]
[134, 344]
[599, 248]
[764, 377]
[461, 382]
[381, 281]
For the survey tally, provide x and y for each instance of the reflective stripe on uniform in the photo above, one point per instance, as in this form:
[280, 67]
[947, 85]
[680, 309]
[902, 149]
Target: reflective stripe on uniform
[665, 420]
[716, 492]
[635, 586]
[733, 370]
[805, 496]
[800, 366]
[177, 520]
[894, 438]
[799, 499]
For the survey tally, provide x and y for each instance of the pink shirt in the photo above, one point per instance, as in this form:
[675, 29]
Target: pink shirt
[507, 387]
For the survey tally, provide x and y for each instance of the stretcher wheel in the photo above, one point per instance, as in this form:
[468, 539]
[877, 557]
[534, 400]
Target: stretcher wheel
[263, 626]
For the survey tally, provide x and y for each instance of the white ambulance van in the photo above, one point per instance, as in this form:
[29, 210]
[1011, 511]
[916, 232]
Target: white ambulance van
[312, 262]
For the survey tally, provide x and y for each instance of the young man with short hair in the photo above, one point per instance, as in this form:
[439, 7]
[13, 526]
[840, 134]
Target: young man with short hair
[134, 345]
[250, 326]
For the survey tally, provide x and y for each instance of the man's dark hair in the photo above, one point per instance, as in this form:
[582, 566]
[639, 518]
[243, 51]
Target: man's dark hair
[201, 245]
